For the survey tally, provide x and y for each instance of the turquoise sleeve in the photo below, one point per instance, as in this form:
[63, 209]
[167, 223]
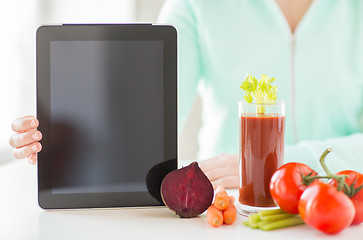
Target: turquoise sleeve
[347, 153]
[181, 16]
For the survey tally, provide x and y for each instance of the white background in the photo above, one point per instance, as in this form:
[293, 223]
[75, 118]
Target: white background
[19, 20]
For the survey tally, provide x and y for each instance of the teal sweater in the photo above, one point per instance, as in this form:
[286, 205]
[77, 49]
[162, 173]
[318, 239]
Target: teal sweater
[319, 72]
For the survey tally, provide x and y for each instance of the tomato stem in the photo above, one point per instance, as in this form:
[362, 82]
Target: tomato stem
[307, 180]
[322, 161]
[339, 178]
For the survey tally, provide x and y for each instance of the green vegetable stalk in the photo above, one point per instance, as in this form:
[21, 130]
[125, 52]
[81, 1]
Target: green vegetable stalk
[272, 219]
[260, 90]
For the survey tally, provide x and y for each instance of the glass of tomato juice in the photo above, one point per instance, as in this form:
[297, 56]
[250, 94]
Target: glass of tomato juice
[261, 153]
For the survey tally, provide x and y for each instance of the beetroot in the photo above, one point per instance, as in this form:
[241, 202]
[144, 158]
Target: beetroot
[187, 191]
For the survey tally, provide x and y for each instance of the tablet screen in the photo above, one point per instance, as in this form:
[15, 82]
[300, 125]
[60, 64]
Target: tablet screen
[106, 110]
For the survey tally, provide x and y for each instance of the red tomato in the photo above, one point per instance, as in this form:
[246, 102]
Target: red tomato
[286, 185]
[325, 208]
[355, 180]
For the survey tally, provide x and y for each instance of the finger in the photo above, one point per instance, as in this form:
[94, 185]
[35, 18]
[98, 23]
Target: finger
[212, 163]
[25, 138]
[221, 173]
[25, 151]
[217, 173]
[226, 182]
[28, 116]
[32, 158]
[25, 124]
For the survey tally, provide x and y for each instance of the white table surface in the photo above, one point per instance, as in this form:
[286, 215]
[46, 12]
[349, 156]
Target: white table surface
[22, 218]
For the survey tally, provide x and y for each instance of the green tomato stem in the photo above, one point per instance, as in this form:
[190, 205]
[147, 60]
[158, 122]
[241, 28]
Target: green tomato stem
[322, 161]
[339, 178]
[329, 175]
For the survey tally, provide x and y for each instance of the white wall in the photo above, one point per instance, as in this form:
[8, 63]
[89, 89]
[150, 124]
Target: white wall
[86, 11]
[19, 21]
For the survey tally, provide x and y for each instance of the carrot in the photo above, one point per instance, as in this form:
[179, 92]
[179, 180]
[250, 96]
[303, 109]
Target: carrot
[230, 214]
[214, 216]
[221, 199]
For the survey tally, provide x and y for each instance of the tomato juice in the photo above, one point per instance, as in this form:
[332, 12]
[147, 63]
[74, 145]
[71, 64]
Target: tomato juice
[261, 154]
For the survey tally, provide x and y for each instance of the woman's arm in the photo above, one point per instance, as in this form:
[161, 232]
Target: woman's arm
[347, 153]
[181, 15]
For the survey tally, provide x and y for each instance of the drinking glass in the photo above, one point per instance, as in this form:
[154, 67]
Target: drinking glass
[261, 153]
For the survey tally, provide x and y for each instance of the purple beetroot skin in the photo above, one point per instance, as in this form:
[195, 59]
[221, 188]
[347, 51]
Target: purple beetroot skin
[187, 191]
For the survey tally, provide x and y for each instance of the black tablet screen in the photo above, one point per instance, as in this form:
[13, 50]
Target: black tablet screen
[106, 114]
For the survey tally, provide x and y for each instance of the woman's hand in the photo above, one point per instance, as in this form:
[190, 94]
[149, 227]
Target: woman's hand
[222, 170]
[26, 139]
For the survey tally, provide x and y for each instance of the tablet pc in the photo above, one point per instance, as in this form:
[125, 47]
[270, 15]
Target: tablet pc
[107, 106]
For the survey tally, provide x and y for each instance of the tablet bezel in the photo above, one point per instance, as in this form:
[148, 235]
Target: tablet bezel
[101, 32]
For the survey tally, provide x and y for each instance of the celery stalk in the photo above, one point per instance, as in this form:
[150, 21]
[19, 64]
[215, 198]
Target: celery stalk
[253, 220]
[261, 224]
[264, 213]
[276, 217]
[261, 90]
[282, 223]
[272, 219]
